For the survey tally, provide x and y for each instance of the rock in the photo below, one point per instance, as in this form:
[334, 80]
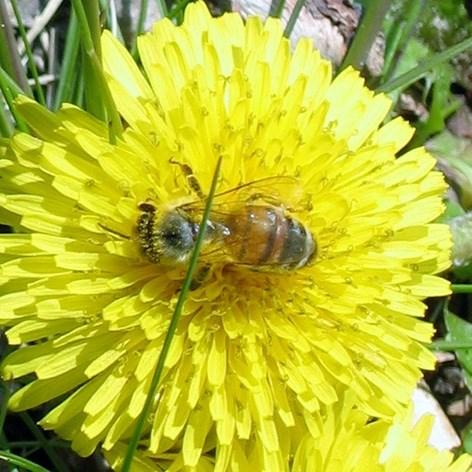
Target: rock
[331, 24]
[443, 435]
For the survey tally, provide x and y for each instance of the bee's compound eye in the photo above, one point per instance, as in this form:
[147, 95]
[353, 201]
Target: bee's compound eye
[147, 207]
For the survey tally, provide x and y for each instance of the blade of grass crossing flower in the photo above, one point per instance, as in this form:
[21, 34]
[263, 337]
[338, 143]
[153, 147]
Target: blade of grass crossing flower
[276, 8]
[399, 35]
[432, 61]
[95, 66]
[9, 56]
[293, 17]
[172, 326]
[64, 92]
[21, 462]
[29, 54]
[461, 288]
[55, 459]
[10, 90]
[370, 25]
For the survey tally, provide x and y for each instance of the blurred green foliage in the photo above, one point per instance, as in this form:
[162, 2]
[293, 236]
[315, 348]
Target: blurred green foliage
[443, 23]
[460, 332]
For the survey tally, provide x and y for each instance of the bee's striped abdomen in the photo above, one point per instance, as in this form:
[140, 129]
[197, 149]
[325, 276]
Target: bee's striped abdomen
[265, 235]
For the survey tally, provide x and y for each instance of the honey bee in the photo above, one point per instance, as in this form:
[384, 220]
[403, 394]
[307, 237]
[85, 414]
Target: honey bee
[248, 225]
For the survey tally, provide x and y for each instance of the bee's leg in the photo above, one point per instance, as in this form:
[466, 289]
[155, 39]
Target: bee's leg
[255, 196]
[113, 232]
[146, 236]
[265, 198]
[191, 179]
[200, 276]
[268, 199]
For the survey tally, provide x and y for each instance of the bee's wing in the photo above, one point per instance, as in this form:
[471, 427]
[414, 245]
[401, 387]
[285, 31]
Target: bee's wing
[222, 253]
[279, 190]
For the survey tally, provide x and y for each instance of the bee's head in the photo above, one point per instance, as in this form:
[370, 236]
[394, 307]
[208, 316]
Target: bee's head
[176, 236]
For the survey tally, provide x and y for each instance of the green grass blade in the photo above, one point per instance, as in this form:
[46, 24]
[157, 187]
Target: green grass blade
[92, 96]
[116, 128]
[163, 11]
[133, 444]
[64, 92]
[55, 459]
[92, 12]
[4, 444]
[177, 10]
[5, 395]
[371, 23]
[142, 17]
[12, 85]
[444, 345]
[461, 288]
[95, 66]
[276, 8]
[143, 7]
[109, 7]
[33, 444]
[5, 59]
[6, 128]
[78, 98]
[162, 6]
[391, 47]
[419, 71]
[293, 17]
[21, 462]
[89, 22]
[29, 54]
[9, 56]
[10, 90]
[398, 38]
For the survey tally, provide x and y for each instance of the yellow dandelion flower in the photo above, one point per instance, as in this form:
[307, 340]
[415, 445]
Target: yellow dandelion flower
[349, 442]
[317, 290]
